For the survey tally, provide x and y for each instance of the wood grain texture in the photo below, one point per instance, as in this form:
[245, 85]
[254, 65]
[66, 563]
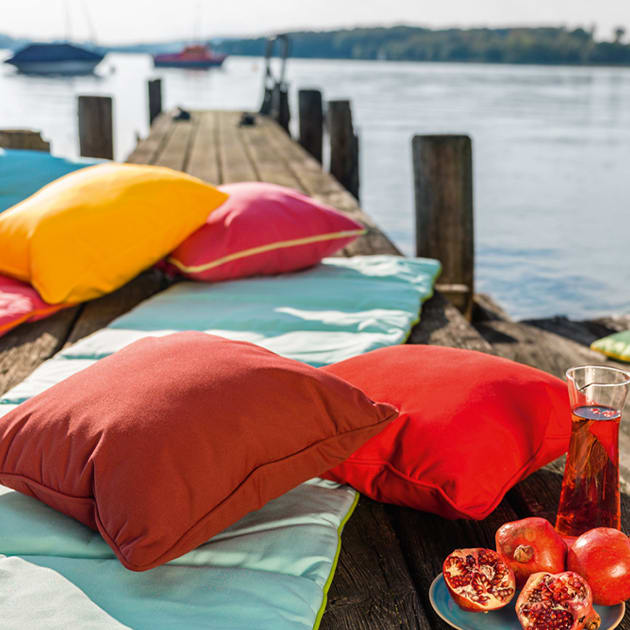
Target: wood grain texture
[269, 165]
[204, 152]
[97, 314]
[175, 151]
[427, 539]
[236, 164]
[96, 129]
[154, 93]
[29, 345]
[311, 122]
[444, 209]
[23, 139]
[344, 146]
[148, 149]
[372, 589]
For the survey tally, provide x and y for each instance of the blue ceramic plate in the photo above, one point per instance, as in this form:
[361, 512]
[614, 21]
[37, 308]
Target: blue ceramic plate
[504, 619]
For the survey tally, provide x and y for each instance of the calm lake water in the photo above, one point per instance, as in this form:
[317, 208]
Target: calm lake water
[551, 155]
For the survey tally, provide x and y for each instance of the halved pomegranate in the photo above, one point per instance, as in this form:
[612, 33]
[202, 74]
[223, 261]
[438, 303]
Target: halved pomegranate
[479, 580]
[531, 545]
[556, 602]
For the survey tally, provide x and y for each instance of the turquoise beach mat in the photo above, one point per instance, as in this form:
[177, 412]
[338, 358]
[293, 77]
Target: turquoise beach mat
[23, 173]
[272, 569]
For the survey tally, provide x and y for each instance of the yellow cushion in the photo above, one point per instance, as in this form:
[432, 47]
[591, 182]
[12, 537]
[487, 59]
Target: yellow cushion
[91, 231]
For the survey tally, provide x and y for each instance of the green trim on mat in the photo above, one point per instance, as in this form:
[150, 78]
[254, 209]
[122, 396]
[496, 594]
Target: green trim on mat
[423, 299]
[346, 518]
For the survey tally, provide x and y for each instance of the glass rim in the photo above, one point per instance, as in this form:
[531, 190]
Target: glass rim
[609, 368]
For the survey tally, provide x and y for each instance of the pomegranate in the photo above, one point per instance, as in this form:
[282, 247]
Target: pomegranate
[479, 580]
[602, 557]
[531, 545]
[556, 602]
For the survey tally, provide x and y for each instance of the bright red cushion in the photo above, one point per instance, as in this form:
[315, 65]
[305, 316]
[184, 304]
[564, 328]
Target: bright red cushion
[167, 442]
[471, 425]
[263, 229]
[20, 302]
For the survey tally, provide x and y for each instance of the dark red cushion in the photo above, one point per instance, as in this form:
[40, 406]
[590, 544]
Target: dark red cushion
[471, 425]
[167, 442]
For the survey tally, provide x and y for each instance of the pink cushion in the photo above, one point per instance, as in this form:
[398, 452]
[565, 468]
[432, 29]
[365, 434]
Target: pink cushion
[263, 229]
[20, 302]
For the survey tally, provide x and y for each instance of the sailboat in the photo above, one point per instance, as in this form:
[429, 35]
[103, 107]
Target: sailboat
[51, 58]
[60, 58]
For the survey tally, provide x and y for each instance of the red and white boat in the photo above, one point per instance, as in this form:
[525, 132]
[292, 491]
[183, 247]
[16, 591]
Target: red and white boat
[197, 56]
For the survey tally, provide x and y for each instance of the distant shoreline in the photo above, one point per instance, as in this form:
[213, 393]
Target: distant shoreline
[546, 46]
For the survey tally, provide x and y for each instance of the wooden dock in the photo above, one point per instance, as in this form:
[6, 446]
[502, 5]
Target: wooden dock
[390, 555]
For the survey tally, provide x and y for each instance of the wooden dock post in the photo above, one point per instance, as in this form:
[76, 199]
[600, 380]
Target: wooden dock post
[23, 139]
[443, 180]
[96, 132]
[280, 111]
[344, 146]
[311, 122]
[155, 99]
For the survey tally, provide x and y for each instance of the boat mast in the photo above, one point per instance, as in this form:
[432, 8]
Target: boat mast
[90, 24]
[66, 10]
[197, 24]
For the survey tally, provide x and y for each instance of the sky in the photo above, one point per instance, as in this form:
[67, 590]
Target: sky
[128, 21]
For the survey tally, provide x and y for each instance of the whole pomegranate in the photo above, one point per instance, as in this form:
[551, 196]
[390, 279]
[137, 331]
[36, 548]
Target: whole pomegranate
[531, 545]
[602, 557]
[479, 580]
[556, 602]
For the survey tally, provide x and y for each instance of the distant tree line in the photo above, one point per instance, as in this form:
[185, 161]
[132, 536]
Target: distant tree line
[547, 45]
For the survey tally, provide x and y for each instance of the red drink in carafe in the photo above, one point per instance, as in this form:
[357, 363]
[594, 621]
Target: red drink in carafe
[590, 488]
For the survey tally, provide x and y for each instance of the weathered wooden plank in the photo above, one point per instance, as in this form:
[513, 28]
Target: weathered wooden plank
[444, 209]
[150, 147]
[96, 129]
[269, 166]
[311, 119]
[372, 589]
[176, 150]
[441, 324]
[204, 153]
[236, 164]
[154, 94]
[99, 313]
[426, 539]
[28, 345]
[23, 139]
[344, 146]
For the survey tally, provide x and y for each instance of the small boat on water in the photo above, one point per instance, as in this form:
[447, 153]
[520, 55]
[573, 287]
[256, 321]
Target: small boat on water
[197, 56]
[49, 58]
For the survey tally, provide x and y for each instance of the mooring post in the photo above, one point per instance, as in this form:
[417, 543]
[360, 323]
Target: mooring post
[155, 99]
[311, 114]
[344, 146]
[280, 111]
[96, 131]
[23, 139]
[443, 180]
